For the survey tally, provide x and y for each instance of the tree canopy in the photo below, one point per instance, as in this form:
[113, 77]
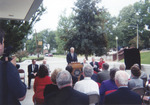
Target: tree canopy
[83, 29]
[126, 25]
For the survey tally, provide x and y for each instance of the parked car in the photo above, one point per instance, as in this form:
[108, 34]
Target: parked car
[49, 55]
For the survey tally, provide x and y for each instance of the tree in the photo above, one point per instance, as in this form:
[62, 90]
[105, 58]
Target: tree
[46, 37]
[87, 36]
[31, 46]
[133, 42]
[64, 31]
[51, 40]
[128, 19]
[107, 26]
[20, 54]
[17, 30]
[144, 19]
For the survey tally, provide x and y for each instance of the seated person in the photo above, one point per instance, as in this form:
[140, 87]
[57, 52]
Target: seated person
[84, 62]
[122, 67]
[104, 74]
[70, 69]
[45, 63]
[143, 75]
[135, 80]
[123, 96]
[87, 85]
[67, 95]
[39, 84]
[94, 77]
[108, 85]
[52, 88]
[32, 72]
[95, 65]
[100, 63]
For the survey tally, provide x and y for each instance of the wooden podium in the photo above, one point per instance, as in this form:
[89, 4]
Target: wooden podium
[77, 69]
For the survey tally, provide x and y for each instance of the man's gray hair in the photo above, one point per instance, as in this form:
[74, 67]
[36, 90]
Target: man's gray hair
[72, 48]
[64, 79]
[88, 70]
[122, 78]
[105, 66]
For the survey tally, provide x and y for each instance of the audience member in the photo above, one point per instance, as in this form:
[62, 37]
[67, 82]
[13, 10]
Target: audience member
[70, 69]
[135, 80]
[32, 72]
[122, 67]
[83, 85]
[108, 85]
[94, 64]
[44, 63]
[104, 74]
[123, 96]
[71, 56]
[12, 89]
[94, 77]
[84, 61]
[67, 95]
[52, 89]
[143, 74]
[100, 63]
[39, 85]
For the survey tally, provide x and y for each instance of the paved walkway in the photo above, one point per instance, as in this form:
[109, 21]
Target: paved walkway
[60, 63]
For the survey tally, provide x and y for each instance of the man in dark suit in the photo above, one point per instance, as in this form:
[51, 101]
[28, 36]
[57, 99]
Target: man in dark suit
[104, 74]
[66, 95]
[32, 72]
[123, 96]
[71, 56]
[94, 65]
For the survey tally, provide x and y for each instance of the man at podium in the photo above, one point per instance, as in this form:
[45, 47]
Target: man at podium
[71, 56]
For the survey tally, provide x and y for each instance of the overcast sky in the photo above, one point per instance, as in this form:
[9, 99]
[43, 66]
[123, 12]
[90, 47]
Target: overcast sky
[55, 8]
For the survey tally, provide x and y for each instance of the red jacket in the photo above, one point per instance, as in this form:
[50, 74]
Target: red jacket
[100, 64]
[39, 86]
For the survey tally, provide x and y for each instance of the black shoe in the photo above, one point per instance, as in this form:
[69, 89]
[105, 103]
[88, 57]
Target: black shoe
[29, 87]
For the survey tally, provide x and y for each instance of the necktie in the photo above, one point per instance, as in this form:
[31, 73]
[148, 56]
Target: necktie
[33, 67]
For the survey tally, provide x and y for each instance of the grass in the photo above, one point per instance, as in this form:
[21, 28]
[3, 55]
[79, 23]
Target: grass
[145, 57]
[30, 57]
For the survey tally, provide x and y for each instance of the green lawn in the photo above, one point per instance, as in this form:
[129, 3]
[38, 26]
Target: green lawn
[145, 57]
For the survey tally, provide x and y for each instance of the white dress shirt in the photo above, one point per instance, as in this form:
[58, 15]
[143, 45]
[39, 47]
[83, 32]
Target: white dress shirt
[87, 86]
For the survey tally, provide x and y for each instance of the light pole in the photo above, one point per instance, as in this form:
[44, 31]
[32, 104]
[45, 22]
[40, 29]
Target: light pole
[137, 36]
[137, 41]
[117, 47]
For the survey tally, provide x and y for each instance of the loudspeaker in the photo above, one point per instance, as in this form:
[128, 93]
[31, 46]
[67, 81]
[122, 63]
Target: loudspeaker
[132, 56]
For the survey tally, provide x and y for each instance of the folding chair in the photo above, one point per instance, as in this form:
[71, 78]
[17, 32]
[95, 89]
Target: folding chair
[144, 81]
[139, 90]
[94, 99]
[22, 74]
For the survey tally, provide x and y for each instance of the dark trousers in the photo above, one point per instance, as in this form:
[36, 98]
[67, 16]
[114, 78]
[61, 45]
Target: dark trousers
[29, 79]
